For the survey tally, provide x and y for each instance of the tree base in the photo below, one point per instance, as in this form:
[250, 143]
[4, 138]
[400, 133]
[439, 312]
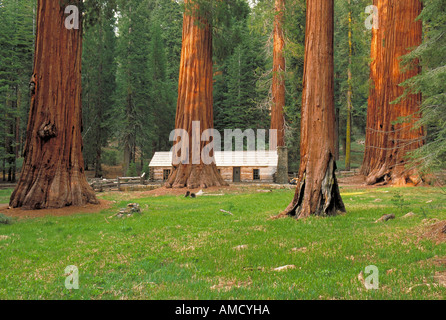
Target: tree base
[195, 176]
[324, 202]
[397, 177]
[37, 191]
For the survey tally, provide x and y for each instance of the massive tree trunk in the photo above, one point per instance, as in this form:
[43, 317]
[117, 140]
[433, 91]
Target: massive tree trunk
[278, 87]
[53, 171]
[195, 101]
[387, 142]
[317, 191]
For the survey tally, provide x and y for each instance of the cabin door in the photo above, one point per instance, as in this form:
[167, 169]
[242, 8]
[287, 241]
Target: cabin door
[236, 174]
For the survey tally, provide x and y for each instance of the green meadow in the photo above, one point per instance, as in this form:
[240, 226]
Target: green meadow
[183, 248]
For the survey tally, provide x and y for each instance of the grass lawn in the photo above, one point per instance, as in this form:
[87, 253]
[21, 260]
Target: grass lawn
[4, 195]
[182, 248]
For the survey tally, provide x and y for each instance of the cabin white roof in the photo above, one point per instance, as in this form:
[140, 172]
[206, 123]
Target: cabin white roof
[226, 159]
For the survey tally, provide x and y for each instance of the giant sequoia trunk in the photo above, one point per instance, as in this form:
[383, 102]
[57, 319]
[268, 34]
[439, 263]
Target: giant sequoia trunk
[195, 102]
[53, 171]
[317, 191]
[387, 142]
[278, 87]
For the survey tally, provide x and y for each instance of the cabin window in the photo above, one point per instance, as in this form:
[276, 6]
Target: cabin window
[166, 174]
[256, 174]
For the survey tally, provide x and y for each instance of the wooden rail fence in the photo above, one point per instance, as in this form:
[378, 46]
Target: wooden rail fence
[111, 184]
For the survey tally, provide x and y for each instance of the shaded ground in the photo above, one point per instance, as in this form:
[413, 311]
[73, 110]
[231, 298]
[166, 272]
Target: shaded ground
[353, 181]
[19, 213]
[345, 181]
[436, 232]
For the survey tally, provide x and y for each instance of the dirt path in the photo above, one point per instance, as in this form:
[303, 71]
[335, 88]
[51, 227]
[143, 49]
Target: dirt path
[20, 214]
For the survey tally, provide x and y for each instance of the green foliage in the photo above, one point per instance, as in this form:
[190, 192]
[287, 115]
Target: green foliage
[399, 201]
[236, 95]
[4, 219]
[110, 157]
[361, 38]
[132, 172]
[162, 93]
[294, 29]
[98, 84]
[16, 53]
[221, 15]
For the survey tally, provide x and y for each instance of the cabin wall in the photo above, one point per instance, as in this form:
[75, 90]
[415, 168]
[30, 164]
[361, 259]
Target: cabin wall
[246, 173]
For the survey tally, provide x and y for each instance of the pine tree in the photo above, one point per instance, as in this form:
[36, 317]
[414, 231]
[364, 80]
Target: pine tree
[133, 94]
[98, 89]
[16, 36]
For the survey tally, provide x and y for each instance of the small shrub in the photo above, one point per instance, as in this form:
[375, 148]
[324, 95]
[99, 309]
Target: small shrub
[110, 157]
[4, 219]
[131, 172]
[398, 201]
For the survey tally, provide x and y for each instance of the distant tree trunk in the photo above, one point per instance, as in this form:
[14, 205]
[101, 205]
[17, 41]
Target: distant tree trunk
[278, 87]
[348, 141]
[9, 132]
[337, 145]
[53, 170]
[387, 143]
[317, 192]
[100, 110]
[17, 132]
[195, 101]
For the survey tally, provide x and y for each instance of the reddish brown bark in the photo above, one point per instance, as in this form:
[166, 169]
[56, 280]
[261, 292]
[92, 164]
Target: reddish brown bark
[387, 142]
[317, 191]
[195, 101]
[278, 87]
[53, 172]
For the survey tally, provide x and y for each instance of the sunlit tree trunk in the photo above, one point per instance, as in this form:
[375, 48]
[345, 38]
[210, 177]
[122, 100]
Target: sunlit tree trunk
[278, 87]
[53, 172]
[317, 192]
[195, 101]
[387, 142]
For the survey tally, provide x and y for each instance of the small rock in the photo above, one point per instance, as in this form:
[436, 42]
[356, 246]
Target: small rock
[241, 247]
[288, 267]
[408, 215]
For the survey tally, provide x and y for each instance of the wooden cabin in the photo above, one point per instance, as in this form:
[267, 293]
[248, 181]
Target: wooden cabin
[234, 166]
